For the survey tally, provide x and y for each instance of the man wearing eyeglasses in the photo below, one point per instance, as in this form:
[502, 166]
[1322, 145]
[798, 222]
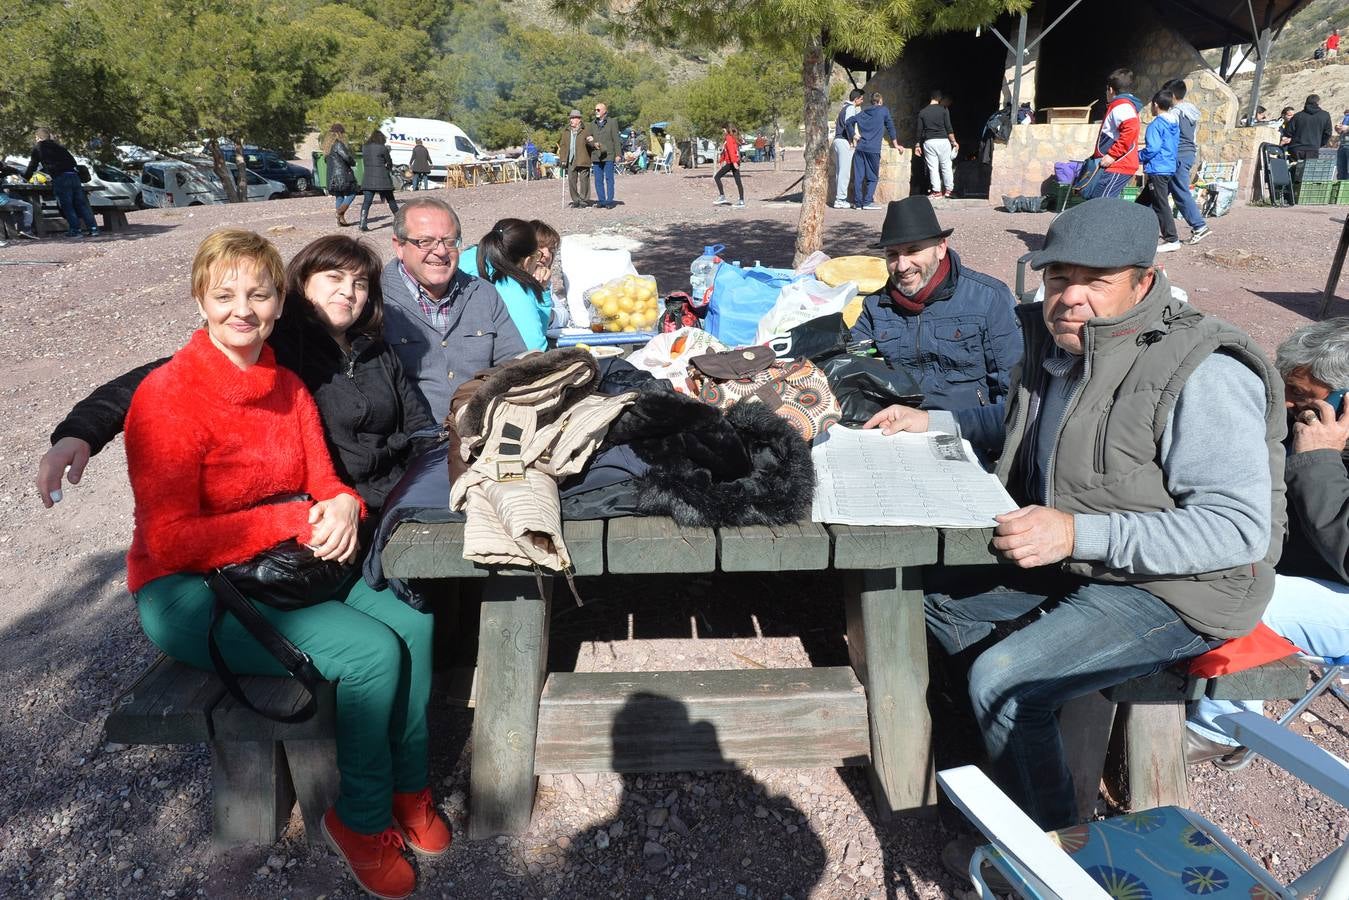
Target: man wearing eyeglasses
[603, 142]
[445, 324]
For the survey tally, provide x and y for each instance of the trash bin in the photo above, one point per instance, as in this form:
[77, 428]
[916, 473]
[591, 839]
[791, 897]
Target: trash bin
[321, 170]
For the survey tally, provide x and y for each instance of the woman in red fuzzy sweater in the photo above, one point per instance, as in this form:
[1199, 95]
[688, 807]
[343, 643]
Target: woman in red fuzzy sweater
[221, 443]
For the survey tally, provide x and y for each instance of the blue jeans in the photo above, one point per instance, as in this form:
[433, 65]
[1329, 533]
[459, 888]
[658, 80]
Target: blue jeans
[1091, 635]
[1342, 159]
[1180, 189]
[1310, 612]
[341, 200]
[604, 181]
[866, 171]
[1106, 184]
[70, 197]
[421, 180]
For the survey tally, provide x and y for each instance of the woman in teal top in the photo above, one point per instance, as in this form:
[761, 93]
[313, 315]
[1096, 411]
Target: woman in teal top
[509, 256]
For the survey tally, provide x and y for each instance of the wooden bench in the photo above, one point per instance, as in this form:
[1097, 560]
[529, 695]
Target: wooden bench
[1144, 720]
[259, 768]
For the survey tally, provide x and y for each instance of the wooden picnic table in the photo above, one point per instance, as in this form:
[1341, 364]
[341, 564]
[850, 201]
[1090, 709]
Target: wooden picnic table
[873, 713]
[114, 218]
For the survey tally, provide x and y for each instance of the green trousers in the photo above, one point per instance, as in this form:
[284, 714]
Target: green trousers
[377, 649]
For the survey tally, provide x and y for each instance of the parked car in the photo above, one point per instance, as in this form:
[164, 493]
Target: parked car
[270, 165]
[166, 183]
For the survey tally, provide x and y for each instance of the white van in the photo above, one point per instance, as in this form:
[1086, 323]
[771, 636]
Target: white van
[446, 142]
[165, 183]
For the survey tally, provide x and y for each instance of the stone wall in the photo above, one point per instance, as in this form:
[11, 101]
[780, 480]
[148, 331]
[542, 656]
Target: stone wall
[1024, 166]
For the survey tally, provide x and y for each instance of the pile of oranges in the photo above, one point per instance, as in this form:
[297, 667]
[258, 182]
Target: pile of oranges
[626, 304]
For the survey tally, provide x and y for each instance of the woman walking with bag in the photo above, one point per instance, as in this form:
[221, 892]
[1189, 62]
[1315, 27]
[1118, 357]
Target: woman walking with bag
[730, 160]
[341, 174]
[227, 459]
[377, 176]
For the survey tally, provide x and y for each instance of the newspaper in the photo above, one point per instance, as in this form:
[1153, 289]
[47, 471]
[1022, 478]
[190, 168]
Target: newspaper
[931, 479]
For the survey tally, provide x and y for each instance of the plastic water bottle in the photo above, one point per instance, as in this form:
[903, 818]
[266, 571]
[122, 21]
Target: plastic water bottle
[700, 273]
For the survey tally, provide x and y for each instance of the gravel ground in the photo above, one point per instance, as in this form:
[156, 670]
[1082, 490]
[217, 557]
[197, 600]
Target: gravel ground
[80, 817]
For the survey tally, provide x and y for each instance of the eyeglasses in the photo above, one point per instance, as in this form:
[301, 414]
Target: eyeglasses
[597, 109]
[430, 243]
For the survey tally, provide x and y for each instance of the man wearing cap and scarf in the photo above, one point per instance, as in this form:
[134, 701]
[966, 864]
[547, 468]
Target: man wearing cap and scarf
[1142, 440]
[573, 150]
[951, 328]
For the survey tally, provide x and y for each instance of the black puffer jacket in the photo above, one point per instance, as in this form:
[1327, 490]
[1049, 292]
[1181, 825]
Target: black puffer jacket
[369, 408]
[377, 174]
[341, 178]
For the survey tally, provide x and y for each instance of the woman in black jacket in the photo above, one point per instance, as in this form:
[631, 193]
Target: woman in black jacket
[341, 175]
[375, 420]
[377, 178]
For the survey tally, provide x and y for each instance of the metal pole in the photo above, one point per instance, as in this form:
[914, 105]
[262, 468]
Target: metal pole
[1263, 50]
[1226, 61]
[1020, 56]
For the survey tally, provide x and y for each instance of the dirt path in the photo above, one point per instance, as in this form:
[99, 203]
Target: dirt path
[81, 818]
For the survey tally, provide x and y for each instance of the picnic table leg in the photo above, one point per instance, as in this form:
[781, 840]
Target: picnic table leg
[1154, 747]
[512, 665]
[887, 643]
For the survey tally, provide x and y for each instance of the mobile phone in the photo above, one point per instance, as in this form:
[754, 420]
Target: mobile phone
[1336, 399]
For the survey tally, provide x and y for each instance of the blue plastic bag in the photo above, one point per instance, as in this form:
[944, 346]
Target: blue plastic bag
[740, 298]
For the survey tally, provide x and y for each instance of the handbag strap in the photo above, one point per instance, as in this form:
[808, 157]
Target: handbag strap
[296, 661]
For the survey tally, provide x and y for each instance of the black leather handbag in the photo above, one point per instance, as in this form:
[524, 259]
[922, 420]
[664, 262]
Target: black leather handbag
[287, 577]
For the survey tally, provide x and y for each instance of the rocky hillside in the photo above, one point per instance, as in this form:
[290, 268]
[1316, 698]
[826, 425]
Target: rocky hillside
[1288, 84]
[1308, 28]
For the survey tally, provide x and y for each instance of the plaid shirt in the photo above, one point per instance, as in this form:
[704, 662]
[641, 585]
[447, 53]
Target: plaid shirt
[437, 312]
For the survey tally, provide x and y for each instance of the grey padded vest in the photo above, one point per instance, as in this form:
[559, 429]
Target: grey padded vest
[1106, 456]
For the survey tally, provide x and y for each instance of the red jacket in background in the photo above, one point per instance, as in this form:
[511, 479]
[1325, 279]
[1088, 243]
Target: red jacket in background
[730, 150]
[1119, 135]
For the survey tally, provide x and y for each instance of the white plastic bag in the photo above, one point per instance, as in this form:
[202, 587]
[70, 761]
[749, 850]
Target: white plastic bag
[584, 267]
[811, 263]
[658, 356]
[801, 301]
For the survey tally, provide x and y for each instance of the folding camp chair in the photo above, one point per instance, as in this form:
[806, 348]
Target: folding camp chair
[1167, 852]
[1332, 667]
[664, 163]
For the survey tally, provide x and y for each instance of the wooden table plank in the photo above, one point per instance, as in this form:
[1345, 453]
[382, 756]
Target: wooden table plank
[968, 547]
[780, 548]
[428, 551]
[882, 546]
[585, 542]
[644, 544]
[693, 721]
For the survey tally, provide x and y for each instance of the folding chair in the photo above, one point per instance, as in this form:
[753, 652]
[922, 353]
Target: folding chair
[1167, 852]
[1332, 667]
[664, 164]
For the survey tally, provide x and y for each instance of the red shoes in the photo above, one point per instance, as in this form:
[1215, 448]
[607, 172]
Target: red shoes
[424, 830]
[374, 859]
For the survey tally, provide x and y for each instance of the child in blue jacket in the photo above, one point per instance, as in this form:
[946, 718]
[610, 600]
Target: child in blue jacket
[1159, 164]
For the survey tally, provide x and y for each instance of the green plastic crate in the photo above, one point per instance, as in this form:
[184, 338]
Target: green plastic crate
[1130, 193]
[1316, 193]
[1342, 193]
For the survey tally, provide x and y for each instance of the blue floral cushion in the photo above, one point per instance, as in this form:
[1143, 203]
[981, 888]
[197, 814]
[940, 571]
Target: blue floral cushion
[1160, 854]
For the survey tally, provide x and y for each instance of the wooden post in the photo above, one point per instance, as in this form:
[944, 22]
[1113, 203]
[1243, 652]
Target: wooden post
[251, 793]
[313, 772]
[1085, 724]
[1336, 266]
[1154, 747]
[512, 664]
[887, 643]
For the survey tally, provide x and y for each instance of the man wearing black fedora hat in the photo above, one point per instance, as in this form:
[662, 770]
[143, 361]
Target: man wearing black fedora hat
[950, 327]
[1142, 440]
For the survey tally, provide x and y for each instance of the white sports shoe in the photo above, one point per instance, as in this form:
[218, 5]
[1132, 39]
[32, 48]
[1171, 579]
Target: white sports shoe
[1169, 246]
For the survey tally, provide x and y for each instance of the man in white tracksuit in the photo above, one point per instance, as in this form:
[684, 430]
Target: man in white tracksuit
[843, 147]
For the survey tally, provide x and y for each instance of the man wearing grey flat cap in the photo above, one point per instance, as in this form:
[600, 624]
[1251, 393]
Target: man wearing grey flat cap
[1142, 442]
